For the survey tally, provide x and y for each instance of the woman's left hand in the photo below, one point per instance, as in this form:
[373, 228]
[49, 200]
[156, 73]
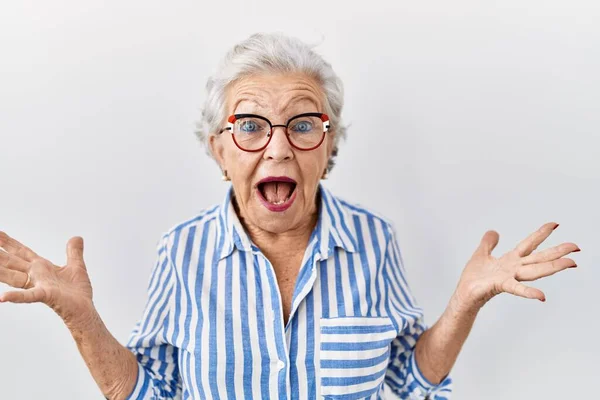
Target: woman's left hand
[485, 276]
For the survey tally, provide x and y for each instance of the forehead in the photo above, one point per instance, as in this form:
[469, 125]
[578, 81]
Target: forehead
[274, 94]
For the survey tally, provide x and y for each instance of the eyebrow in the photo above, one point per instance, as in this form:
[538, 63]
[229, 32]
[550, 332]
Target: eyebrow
[249, 99]
[287, 105]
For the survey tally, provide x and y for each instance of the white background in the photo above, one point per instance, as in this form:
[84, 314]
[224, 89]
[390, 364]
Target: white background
[465, 116]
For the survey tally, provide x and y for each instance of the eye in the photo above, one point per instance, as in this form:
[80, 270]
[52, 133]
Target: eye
[302, 126]
[248, 126]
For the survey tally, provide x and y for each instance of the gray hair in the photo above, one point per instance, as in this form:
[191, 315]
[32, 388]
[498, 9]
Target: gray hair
[271, 52]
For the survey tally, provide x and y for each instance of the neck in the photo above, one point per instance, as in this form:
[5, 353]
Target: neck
[291, 240]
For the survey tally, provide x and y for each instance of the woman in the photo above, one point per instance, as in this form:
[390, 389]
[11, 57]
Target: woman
[283, 290]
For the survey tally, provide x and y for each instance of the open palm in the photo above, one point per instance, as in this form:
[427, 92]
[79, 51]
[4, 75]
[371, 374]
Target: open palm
[486, 276]
[67, 289]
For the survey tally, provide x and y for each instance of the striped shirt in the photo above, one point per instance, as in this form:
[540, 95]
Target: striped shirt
[213, 326]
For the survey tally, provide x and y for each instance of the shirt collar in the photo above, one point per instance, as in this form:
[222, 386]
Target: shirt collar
[334, 227]
[230, 230]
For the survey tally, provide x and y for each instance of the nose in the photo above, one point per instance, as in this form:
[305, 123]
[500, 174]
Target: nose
[279, 148]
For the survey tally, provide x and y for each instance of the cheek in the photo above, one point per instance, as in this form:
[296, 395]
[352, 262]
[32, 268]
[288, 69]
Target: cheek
[242, 166]
[313, 164]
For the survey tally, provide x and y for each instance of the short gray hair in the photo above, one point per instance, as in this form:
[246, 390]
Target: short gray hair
[271, 52]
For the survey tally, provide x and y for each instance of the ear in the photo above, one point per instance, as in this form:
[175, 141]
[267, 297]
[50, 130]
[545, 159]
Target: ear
[217, 148]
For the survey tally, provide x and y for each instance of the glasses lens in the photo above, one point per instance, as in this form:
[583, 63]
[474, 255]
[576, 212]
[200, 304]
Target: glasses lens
[251, 133]
[305, 132]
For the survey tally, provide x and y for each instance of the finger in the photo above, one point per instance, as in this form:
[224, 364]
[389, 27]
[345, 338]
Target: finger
[532, 272]
[528, 245]
[13, 262]
[488, 242]
[550, 254]
[33, 295]
[519, 289]
[16, 248]
[75, 251]
[12, 278]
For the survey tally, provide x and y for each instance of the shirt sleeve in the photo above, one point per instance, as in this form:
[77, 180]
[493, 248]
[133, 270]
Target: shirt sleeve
[158, 372]
[403, 375]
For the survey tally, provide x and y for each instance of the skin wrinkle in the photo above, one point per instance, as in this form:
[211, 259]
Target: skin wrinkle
[279, 158]
[281, 110]
[281, 236]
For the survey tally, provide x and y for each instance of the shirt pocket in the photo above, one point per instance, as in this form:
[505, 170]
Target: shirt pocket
[354, 355]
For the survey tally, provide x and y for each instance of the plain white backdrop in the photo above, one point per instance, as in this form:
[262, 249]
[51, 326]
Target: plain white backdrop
[464, 116]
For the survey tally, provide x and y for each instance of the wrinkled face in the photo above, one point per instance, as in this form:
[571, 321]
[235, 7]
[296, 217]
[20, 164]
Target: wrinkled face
[275, 188]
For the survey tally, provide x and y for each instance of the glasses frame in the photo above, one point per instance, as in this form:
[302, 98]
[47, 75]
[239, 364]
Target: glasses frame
[232, 118]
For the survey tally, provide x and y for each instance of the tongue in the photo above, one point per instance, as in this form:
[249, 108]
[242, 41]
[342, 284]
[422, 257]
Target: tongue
[277, 192]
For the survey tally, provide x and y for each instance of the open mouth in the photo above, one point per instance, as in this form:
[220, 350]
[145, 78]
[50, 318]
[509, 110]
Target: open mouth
[277, 193]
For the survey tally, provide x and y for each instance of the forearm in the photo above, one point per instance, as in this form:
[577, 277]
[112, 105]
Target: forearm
[113, 366]
[438, 347]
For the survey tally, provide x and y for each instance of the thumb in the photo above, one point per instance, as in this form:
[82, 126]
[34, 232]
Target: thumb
[75, 251]
[488, 243]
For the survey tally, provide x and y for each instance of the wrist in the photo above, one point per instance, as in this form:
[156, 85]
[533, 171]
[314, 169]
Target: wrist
[463, 303]
[87, 320]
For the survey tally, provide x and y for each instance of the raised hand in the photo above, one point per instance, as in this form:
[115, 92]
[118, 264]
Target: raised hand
[67, 289]
[486, 276]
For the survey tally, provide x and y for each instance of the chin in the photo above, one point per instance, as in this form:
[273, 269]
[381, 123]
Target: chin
[276, 220]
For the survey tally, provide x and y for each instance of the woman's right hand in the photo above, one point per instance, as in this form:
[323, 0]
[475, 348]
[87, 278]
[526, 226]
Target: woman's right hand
[67, 290]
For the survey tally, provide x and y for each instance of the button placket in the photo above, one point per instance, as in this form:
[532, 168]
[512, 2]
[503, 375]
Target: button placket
[271, 314]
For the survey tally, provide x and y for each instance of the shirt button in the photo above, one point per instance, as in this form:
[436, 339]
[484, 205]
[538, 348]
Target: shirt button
[280, 365]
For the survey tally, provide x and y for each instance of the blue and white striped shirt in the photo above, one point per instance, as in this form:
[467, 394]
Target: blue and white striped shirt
[213, 324]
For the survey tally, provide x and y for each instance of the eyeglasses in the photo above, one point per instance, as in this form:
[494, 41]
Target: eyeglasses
[251, 132]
